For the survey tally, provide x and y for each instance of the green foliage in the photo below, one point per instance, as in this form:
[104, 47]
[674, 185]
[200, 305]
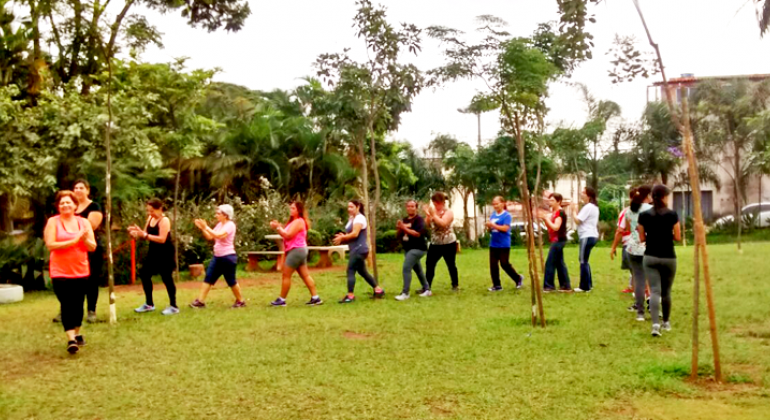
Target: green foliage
[24, 264]
[388, 241]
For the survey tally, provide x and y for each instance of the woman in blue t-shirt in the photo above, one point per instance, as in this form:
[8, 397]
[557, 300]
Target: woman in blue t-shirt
[499, 225]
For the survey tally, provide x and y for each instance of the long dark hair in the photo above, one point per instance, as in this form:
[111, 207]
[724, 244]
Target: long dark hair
[301, 212]
[659, 192]
[358, 204]
[591, 193]
[640, 194]
[155, 203]
[556, 196]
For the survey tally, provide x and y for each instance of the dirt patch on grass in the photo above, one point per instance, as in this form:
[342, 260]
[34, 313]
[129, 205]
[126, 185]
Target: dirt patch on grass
[445, 405]
[352, 335]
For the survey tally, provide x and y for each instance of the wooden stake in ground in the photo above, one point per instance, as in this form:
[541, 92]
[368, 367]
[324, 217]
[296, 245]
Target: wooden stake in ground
[682, 124]
[108, 197]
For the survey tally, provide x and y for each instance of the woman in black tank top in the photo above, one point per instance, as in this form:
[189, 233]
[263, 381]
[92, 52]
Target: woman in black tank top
[160, 256]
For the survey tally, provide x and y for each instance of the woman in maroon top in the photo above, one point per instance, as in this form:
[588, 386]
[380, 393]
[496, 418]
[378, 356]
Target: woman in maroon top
[557, 232]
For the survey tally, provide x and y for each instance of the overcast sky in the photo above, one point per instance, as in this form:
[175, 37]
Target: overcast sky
[282, 39]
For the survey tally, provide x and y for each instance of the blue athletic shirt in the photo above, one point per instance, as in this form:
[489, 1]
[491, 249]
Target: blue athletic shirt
[500, 239]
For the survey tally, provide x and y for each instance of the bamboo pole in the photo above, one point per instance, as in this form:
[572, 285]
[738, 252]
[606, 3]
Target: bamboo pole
[108, 196]
[695, 312]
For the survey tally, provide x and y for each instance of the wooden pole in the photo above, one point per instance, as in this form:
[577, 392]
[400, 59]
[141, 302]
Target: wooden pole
[108, 196]
[683, 126]
[695, 312]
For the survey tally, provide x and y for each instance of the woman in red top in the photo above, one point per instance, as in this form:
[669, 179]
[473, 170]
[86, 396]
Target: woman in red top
[69, 238]
[557, 232]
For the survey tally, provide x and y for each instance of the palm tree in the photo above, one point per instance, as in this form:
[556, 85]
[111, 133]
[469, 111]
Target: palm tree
[763, 16]
[479, 104]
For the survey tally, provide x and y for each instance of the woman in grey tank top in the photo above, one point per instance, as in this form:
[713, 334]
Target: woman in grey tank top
[356, 237]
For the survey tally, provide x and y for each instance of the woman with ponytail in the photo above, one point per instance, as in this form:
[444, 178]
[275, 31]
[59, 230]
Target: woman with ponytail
[588, 233]
[635, 247]
[658, 229]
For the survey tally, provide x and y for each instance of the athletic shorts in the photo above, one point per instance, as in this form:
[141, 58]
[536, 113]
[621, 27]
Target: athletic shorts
[222, 266]
[296, 258]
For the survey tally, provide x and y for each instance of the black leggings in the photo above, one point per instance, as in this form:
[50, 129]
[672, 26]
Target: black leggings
[436, 252]
[71, 294]
[499, 257]
[151, 267]
[357, 264]
[95, 261]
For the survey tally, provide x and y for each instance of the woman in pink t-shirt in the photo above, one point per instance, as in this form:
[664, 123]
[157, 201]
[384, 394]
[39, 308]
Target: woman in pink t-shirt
[294, 236]
[225, 259]
[69, 238]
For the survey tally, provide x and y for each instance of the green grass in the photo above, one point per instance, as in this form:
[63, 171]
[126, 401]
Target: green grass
[469, 355]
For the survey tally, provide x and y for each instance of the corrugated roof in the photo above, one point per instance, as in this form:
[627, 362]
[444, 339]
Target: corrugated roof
[690, 80]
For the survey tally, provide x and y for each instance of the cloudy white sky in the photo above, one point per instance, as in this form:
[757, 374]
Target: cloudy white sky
[282, 39]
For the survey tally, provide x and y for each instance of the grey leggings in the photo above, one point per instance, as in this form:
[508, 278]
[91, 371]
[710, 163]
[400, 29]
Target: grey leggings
[357, 264]
[660, 273]
[412, 262]
[639, 281]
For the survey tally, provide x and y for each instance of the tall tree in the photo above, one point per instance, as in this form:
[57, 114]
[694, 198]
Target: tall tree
[376, 91]
[479, 105]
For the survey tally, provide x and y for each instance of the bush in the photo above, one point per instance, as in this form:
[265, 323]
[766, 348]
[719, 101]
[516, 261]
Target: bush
[388, 241]
[24, 264]
[315, 238]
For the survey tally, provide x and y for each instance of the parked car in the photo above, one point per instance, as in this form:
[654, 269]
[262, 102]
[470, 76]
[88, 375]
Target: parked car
[757, 214]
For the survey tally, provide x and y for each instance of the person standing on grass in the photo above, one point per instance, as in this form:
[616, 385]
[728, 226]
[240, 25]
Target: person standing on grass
[588, 233]
[658, 229]
[623, 235]
[411, 230]
[69, 238]
[225, 259]
[443, 242]
[499, 225]
[636, 248]
[556, 223]
[357, 240]
[295, 245]
[90, 211]
[160, 256]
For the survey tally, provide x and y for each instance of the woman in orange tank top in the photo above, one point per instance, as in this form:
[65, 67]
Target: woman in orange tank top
[69, 238]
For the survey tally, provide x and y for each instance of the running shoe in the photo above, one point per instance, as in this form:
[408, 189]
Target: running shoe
[379, 295]
[426, 293]
[520, 283]
[80, 340]
[455, 288]
[170, 311]
[402, 296]
[277, 302]
[548, 290]
[656, 330]
[314, 302]
[495, 289]
[565, 290]
[347, 299]
[72, 347]
[632, 308]
[640, 318]
[144, 308]
[666, 326]
[91, 318]
[197, 304]
[420, 291]
[239, 304]
[627, 290]
[579, 290]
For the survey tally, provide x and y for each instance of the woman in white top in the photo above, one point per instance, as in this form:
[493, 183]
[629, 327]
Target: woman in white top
[639, 204]
[588, 233]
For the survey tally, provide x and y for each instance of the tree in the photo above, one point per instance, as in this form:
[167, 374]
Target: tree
[599, 114]
[479, 105]
[657, 147]
[763, 16]
[463, 176]
[376, 92]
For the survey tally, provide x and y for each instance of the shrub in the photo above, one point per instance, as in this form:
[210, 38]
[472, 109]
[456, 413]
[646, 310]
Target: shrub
[388, 241]
[315, 238]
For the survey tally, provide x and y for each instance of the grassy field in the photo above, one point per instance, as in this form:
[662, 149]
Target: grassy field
[466, 355]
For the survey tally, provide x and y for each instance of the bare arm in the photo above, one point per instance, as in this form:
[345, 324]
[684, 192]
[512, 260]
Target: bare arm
[642, 237]
[89, 238]
[95, 219]
[445, 220]
[677, 232]
[213, 234]
[288, 234]
[165, 228]
[342, 238]
[49, 235]
[555, 225]
[575, 216]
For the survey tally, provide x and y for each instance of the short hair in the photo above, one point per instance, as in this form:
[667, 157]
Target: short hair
[227, 210]
[155, 203]
[412, 200]
[556, 196]
[438, 197]
[65, 193]
[498, 197]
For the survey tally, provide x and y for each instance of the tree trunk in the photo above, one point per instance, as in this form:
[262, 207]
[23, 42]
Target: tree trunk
[595, 168]
[537, 207]
[537, 297]
[6, 224]
[695, 313]
[478, 117]
[684, 218]
[365, 190]
[466, 218]
[176, 213]
[108, 196]
[373, 212]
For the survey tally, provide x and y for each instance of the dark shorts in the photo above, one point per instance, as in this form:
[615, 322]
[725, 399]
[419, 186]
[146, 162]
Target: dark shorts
[222, 266]
[625, 263]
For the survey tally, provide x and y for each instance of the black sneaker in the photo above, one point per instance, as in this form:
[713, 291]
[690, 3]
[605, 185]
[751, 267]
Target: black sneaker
[495, 288]
[72, 347]
[80, 341]
[347, 299]
[278, 302]
[314, 302]
[379, 295]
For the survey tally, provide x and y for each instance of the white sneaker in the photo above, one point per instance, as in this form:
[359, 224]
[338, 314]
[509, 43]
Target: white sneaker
[640, 318]
[426, 293]
[144, 308]
[402, 296]
[579, 290]
[656, 330]
[666, 326]
[170, 311]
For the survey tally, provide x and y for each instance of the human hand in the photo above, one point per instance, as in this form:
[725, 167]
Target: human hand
[338, 239]
[490, 225]
[613, 253]
[274, 224]
[399, 225]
